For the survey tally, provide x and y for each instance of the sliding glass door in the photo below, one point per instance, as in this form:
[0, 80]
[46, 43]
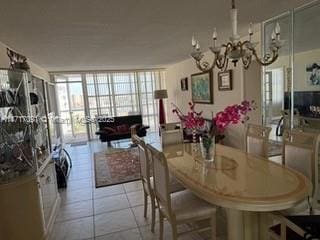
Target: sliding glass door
[71, 108]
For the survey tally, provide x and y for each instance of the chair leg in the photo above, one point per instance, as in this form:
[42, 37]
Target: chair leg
[153, 213]
[145, 204]
[174, 231]
[213, 223]
[161, 226]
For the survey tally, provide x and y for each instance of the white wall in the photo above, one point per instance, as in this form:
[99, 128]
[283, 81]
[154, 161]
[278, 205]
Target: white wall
[34, 68]
[246, 85]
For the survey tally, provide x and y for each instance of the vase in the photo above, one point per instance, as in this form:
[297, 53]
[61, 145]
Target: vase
[207, 146]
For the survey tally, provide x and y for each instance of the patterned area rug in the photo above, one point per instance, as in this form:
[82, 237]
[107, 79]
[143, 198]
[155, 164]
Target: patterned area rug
[116, 166]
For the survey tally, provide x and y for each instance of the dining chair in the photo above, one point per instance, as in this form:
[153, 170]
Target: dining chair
[147, 179]
[301, 152]
[285, 229]
[179, 207]
[173, 136]
[170, 126]
[257, 139]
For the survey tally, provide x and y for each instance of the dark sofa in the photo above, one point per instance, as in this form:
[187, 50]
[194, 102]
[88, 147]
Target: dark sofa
[116, 128]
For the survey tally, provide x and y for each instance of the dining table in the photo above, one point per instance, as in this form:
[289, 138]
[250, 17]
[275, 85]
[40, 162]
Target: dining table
[245, 185]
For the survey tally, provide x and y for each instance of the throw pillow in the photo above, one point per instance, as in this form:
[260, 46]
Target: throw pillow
[123, 128]
[109, 129]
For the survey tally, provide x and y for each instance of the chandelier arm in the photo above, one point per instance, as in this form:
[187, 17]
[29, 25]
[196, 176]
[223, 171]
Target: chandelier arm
[225, 60]
[246, 60]
[226, 66]
[275, 55]
[204, 66]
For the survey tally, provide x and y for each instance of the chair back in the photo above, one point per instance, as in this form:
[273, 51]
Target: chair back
[170, 126]
[145, 165]
[171, 136]
[300, 152]
[257, 140]
[161, 179]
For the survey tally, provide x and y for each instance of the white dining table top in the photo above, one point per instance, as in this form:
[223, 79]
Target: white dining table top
[236, 180]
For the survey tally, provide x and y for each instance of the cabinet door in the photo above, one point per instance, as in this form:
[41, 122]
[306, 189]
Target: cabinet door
[49, 191]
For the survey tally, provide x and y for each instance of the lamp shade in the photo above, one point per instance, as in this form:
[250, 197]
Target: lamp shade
[160, 94]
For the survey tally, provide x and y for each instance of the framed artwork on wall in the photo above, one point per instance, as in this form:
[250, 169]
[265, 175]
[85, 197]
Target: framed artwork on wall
[225, 80]
[313, 74]
[184, 84]
[202, 87]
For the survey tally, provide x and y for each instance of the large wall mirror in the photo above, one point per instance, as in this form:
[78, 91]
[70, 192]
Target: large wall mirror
[291, 85]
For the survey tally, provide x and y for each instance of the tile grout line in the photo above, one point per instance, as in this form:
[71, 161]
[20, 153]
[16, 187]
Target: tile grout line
[115, 232]
[141, 237]
[92, 192]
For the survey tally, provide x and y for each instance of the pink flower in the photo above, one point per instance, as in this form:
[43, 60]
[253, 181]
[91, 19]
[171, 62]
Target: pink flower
[233, 114]
[193, 119]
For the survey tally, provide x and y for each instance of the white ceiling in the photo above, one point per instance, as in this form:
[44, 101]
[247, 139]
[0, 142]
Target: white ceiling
[121, 34]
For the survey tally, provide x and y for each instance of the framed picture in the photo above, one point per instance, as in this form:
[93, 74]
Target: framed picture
[202, 87]
[184, 84]
[313, 74]
[225, 80]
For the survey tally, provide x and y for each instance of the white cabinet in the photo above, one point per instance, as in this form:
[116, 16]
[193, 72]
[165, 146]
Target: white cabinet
[49, 196]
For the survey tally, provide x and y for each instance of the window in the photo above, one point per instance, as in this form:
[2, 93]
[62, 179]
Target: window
[119, 94]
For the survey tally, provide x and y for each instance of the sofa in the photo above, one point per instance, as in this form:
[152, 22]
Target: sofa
[116, 128]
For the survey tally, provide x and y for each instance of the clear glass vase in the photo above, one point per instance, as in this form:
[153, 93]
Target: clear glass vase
[194, 135]
[207, 146]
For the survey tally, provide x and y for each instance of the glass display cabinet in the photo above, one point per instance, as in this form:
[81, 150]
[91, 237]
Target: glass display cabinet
[28, 187]
[16, 141]
[40, 121]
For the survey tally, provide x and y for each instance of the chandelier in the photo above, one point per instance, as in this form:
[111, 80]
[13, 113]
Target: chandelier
[234, 50]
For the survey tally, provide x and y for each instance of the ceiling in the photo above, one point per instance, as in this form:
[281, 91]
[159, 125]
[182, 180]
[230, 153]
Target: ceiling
[64, 35]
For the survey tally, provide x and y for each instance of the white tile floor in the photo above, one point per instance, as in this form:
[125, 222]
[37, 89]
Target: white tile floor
[107, 213]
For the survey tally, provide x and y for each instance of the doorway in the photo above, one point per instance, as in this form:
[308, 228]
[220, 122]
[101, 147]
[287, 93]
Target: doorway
[71, 107]
[274, 99]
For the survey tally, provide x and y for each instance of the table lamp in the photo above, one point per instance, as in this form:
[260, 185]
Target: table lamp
[161, 94]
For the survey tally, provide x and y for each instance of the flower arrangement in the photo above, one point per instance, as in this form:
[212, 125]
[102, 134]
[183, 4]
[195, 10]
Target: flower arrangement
[193, 119]
[231, 115]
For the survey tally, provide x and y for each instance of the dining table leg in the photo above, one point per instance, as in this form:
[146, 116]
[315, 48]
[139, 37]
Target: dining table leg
[235, 224]
[244, 225]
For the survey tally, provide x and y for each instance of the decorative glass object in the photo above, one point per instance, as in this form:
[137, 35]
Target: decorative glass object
[16, 141]
[207, 147]
[194, 135]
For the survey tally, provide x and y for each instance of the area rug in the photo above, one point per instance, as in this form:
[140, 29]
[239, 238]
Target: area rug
[116, 166]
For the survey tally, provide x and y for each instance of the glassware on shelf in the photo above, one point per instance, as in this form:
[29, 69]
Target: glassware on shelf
[16, 153]
[40, 124]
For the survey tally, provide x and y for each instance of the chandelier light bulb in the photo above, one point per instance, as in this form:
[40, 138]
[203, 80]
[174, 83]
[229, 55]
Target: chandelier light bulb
[250, 31]
[214, 34]
[273, 35]
[277, 28]
[193, 41]
[198, 46]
